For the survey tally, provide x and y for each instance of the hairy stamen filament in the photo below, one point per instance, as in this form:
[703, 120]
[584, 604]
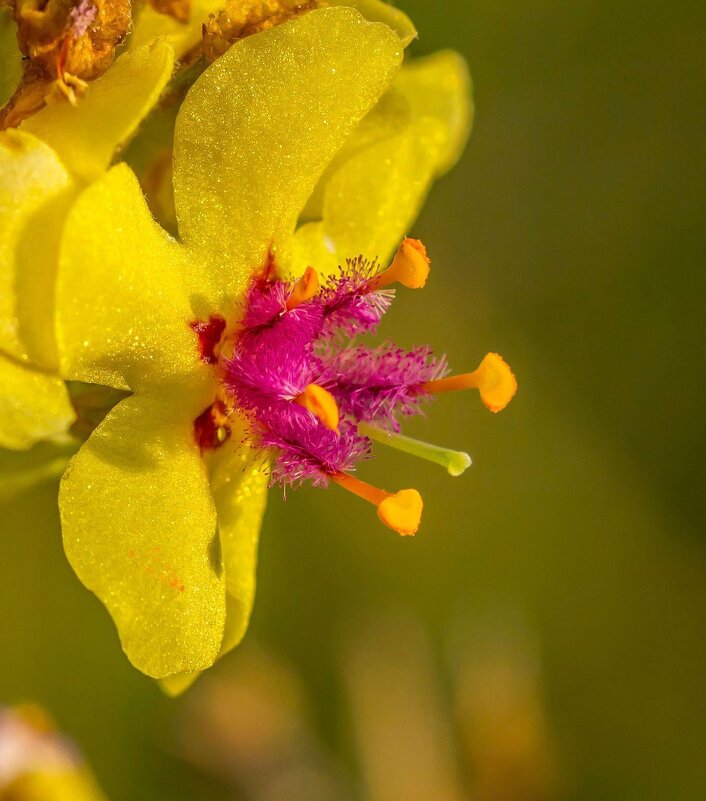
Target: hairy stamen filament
[454, 462]
[401, 511]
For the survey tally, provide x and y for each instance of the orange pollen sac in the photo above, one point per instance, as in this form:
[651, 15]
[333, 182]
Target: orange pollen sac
[493, 379]
[305, 289]
[401, 511]
[410, 267]
[321, 403]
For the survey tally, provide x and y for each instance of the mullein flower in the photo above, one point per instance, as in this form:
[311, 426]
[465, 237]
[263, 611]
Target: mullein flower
[44, 166]
[234, 349]
[37, 763]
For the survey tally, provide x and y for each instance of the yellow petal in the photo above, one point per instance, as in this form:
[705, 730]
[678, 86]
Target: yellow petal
[239, 486]
[378, 11]
[150, 24]
[259, 126]
[122, 297]
[438, 89]
[33, 406]
[139, 527]
[372, 194]
[10, 56]
[87, 135]
[35, 191]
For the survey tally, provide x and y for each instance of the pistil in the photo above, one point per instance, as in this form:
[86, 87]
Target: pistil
[454, 462]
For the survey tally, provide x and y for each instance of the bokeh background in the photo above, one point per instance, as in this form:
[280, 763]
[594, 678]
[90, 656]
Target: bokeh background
[543, 637]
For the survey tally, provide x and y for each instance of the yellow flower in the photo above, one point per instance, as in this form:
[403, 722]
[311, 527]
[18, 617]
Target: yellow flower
[43, 168]
[288, 123]
[37, 763]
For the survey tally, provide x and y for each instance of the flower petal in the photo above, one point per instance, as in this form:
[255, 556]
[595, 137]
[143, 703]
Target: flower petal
[123, 308]
[87, 135]
[258, 127]
[139, 527]
[239, 488]
[151, 24]
[378, 11]
[371, 195]
[33, 406]
[35, 190]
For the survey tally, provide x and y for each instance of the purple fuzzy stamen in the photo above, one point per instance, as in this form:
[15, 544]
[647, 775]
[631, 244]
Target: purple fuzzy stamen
[279, 351]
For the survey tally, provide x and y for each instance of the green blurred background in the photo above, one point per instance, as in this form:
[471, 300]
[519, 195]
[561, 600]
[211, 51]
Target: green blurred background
[547, 625]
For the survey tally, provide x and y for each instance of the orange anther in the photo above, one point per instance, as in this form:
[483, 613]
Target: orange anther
[410, 267]
[305, 289]
[493, 379]
[401, 511]
[321, 403]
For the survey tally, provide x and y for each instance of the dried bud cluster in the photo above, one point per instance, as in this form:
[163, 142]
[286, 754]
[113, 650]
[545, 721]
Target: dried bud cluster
[180, 10]
[66, 44]
[241, 18]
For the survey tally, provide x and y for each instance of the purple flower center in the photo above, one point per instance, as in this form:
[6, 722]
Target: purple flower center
[278, 351]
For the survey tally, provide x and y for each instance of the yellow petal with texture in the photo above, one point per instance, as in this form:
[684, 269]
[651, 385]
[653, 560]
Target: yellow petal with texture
[379, 11]
[239, 486]
[371, 195]
[35, 191]
[123, 290]
[33, 406]
[87, 135]
[259, 126]
[139, 527]
[239, 483]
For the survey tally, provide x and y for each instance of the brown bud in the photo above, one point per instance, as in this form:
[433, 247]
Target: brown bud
[179, 9]
[241, 18]
[66, 44]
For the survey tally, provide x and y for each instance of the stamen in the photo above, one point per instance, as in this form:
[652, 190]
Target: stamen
[493, 379]
[305, 289]
[401, 511]
[410, 267]
[455, 462]
[321, 403]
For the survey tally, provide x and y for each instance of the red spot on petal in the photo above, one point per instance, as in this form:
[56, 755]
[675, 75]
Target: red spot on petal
[209, 334]
[211, 427]
[269, 268]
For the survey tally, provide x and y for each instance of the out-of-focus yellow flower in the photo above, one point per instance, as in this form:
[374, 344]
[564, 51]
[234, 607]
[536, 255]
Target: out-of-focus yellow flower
[165, 537]
[10, 56]
[39, 764]
[44, 166]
